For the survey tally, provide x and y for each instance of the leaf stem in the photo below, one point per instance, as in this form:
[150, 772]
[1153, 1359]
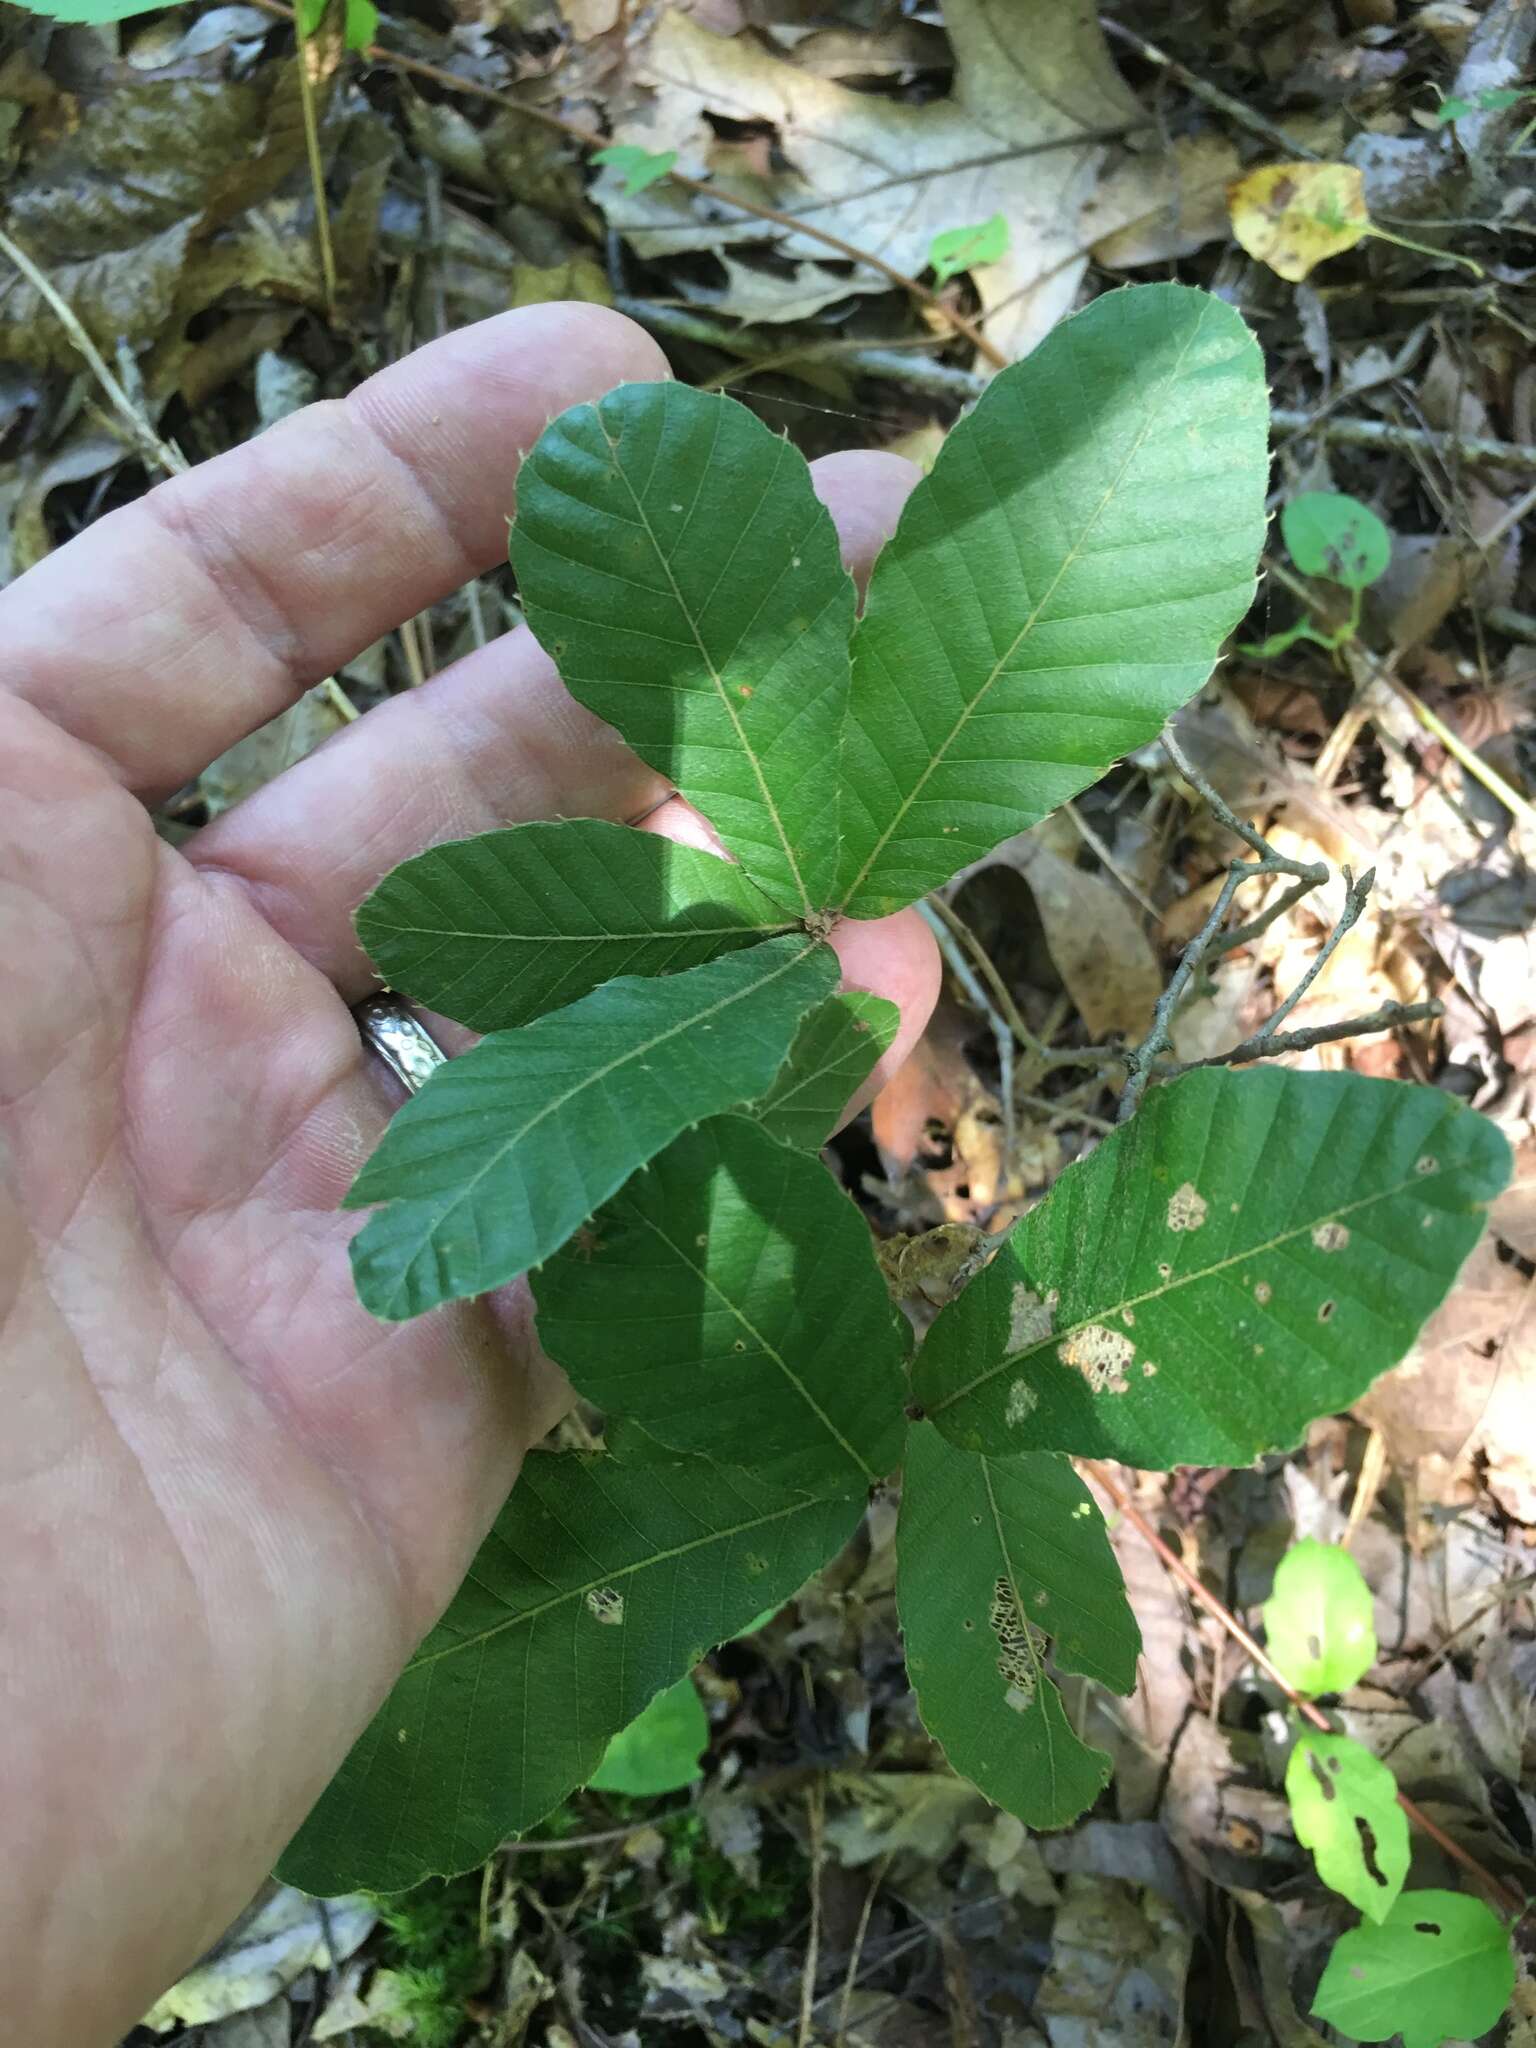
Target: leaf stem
[316, 161]
[1509, 1900]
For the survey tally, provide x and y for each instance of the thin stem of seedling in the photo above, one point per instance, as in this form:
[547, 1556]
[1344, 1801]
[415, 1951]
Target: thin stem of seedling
[1124, 1506]
[316, 162]
[1425, 249]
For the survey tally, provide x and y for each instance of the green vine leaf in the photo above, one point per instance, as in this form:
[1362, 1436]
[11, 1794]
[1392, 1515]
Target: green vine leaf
[1439, 1967]
[597, 1588]
[1001, 1563]
[727, 1302]
[830, 1060]
[1038, 612]
[1344, 1809]
[1320, 1620]
[660, 1749]
[1249, 1252]
[494, 931]
[509, 1148]
[675, 562]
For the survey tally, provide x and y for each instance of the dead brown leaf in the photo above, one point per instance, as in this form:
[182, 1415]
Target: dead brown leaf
[1096, 937]
[886, 174]
[1468, 1389]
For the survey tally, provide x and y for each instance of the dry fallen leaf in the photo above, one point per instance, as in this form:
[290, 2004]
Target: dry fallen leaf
[1468, 1389]
[885, 174]
[1294, 216]
[1097, 939]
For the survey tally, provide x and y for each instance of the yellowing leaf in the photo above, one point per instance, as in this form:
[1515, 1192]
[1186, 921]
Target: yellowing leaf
[1294, 216]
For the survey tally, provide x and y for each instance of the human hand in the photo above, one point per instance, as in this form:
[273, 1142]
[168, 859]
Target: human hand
[230, 1502]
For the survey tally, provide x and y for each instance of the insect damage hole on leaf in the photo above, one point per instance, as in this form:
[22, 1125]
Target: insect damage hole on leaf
[1021, 1646]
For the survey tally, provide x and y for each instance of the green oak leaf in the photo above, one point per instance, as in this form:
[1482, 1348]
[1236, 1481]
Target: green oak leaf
[597, 1588]
[1331, 535]
[727, 1302]
[1000, 1563]
[1344, 1809]
[1247, 1253]
[494, 931]
[1038, 612]
[1438, 1967]
[660, 1749]
[1320, 1619]
[676, 564]
[832, 1057]
[508, 1149]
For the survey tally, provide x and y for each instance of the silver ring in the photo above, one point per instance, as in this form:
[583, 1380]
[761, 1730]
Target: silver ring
[405, 1045]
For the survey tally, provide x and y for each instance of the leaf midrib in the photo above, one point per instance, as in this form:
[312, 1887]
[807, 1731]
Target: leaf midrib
[748, 752]
[608, 1578]
[1042, 1677]
[1001, 664]
[591, 1079]
[870, 1475]
[596, 938]
[1165, 1288]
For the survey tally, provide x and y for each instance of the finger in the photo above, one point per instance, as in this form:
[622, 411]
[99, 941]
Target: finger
[898, 958]
[495, 740]
[895, 957]
[173, 627]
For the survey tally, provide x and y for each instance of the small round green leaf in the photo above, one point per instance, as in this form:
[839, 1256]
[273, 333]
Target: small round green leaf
[1438, 1967]
[1319, 1621]
[659, 1751]
[1331, 535]
[1344, 1809]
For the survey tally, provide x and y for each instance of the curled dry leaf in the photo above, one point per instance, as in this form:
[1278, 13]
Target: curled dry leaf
[1294, 216]
[1096, 937]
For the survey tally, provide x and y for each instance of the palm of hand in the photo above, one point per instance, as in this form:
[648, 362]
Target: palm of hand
[231, 1502]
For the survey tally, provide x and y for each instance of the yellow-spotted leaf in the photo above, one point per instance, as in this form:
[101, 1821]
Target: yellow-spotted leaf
[1294, 216]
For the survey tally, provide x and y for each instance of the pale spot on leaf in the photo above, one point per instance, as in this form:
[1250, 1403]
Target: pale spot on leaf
[1030, 1319]
[1330, 1236]
[1020, 1643]
[1187, 1208]
[606, 1606]
[1100, 1355]
[1022, 1401]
